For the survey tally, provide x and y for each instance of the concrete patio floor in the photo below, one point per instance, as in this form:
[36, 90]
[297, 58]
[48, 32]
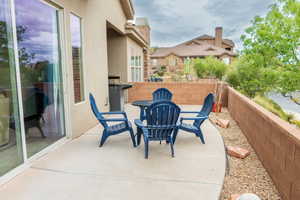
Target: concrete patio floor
[80, 170]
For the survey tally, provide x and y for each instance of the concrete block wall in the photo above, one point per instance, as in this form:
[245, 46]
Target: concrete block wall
[276, 142]
[185, 93]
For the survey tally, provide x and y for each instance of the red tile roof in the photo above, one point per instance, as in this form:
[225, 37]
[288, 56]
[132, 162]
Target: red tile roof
[194, 48]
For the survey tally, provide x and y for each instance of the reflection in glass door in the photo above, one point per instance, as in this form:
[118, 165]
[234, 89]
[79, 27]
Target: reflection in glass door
[40, 68]
[11, 154]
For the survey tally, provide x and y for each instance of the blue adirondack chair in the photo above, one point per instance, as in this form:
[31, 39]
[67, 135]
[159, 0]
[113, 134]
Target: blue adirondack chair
[162, 94]
[162, 118]
[110, 130]
[198, 120]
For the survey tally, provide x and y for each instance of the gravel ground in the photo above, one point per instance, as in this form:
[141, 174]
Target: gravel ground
[248, 175]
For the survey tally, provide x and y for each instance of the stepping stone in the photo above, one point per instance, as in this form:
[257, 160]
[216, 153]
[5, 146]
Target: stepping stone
[234, 197]
[237, 152]
[222, 123]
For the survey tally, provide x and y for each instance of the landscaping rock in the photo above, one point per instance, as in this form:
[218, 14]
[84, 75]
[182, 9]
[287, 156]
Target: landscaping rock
[234, 197]
[248, 196]
[244, 175]
[222, 123]
[237, 152]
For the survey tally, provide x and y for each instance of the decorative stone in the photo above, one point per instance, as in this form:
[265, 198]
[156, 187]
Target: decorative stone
[237, 152]
[234, 196]
[248, 196]
[223, 123]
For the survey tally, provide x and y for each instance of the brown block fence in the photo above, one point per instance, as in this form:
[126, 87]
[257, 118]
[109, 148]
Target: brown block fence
[276, 142]
[185, 93]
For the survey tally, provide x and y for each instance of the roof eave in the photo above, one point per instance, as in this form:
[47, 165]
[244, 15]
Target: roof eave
[128, 8]
[136, 36]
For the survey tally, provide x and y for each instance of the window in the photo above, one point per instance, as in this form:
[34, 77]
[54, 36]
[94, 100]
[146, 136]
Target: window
[11, 154]
[136, 69]
[172, 61]
[132, 61]
[77, 59]
[41, 73]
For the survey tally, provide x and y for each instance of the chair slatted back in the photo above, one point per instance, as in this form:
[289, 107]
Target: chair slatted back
[162, 94]
[206, 109]
[162, 119]
[96, 112]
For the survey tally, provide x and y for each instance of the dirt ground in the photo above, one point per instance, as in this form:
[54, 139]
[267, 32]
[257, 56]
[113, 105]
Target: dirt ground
[248, 175]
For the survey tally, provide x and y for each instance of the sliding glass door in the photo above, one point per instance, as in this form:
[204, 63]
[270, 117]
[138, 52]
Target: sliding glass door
[11, 154]
[40, 71]
[31, 89]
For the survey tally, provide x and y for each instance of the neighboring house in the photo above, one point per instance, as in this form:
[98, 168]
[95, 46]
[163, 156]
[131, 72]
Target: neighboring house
[66, 51]
[173, 58]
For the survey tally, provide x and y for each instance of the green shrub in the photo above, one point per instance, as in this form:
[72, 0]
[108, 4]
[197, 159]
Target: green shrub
[296, 122]
[210, 67]
[162, 70]
[273, 107]
[177, 77]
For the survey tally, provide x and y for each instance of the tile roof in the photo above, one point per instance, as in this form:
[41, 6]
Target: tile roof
[195, 47]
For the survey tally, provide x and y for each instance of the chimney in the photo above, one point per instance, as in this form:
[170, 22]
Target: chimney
[219, 36]
[143, 25]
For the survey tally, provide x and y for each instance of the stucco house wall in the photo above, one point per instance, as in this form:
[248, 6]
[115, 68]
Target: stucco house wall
[117, 57]
[95, 14]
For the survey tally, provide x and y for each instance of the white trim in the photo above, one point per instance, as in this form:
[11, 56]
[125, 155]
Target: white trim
[18, 79]
[53, 3]
[64, 68]
[31, 161]
[49, 149]
[13, 173]
[28, 162]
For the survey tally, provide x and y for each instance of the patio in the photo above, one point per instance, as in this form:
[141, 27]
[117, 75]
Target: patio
[81, 170]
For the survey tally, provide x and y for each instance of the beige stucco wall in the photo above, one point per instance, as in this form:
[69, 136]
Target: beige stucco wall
[117, 56]
[134, 49]
[95, 14]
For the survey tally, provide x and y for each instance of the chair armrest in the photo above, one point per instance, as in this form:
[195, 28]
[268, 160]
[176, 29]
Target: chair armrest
[192, 118]
[139, 123]
[115, 120]
[195, 112]
[115, 113]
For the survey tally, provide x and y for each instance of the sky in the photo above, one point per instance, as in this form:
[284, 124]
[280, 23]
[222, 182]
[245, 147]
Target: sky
[176, 21]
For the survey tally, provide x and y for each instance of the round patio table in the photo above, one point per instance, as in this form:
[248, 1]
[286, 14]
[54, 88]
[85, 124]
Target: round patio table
[143, 105]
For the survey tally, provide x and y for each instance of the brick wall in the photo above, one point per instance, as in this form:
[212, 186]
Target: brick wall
[276, 142]
[183, 93]
[146, 64]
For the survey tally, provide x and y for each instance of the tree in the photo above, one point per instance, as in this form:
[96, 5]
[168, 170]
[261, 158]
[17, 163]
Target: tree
[270, 58]
[275, 38]
[210, 67]
[250, 78]
[6, 54]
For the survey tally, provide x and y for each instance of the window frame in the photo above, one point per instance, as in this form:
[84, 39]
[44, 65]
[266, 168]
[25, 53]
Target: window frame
[83, 72]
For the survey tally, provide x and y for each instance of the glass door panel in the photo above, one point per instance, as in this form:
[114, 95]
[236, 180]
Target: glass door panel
[11, 154]
[41, 77]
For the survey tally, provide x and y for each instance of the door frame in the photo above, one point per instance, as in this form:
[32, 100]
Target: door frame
[62, 28]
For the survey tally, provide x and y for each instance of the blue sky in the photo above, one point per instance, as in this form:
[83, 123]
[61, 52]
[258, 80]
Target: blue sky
[175, 21]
